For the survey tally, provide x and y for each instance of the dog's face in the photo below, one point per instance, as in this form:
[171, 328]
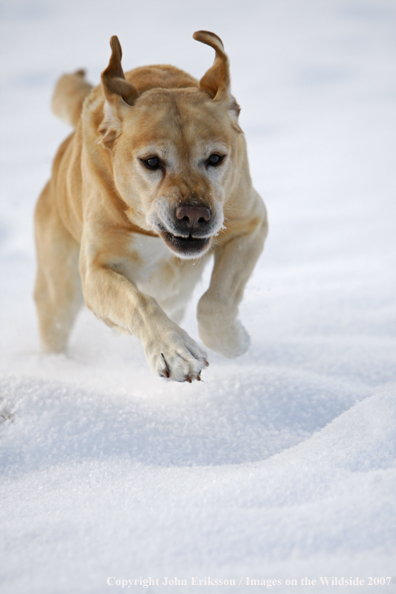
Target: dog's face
[174, 157]
[174, 161]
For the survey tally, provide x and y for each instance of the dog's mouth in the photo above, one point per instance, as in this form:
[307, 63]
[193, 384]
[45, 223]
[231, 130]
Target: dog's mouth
[187, 247]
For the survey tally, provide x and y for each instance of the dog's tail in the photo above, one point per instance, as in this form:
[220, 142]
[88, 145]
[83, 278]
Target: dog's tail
[69, 95]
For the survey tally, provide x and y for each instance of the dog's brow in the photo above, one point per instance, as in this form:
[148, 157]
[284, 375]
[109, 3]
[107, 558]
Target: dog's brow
[216, 146]
[153, 149]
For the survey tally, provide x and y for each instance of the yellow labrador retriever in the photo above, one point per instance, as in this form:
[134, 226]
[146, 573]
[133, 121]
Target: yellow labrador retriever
[153, 180]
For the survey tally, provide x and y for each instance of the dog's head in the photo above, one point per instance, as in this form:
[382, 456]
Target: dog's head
[174, 150]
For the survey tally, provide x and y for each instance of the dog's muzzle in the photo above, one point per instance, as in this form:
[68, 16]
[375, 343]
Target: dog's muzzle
[190, 230]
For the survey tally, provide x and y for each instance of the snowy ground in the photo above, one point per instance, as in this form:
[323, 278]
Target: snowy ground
[281, 465]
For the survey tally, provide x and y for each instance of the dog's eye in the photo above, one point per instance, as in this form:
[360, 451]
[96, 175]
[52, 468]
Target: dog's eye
[152, 163]
[215, 160]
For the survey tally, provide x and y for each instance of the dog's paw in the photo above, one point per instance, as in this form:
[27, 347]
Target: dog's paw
[176, 356]
[230, 340]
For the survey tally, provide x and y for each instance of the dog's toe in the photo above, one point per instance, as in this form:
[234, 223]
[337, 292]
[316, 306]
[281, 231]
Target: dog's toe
[180, 358]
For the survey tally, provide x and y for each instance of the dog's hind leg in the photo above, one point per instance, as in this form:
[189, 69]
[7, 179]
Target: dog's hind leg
[58, 293]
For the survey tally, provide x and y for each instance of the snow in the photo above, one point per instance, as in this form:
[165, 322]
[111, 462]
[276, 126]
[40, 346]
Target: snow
[281, 464]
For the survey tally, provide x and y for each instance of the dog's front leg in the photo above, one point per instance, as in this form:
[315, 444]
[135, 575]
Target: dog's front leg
[219, 327]
[170, 351]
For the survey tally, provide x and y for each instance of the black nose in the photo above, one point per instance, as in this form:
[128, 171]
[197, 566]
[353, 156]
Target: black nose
[192, 217]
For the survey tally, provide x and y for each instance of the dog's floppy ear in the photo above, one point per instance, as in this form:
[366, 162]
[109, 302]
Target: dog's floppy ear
[216, 81]
[118, 94]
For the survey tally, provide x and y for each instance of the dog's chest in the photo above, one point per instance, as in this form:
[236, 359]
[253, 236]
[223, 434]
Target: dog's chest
[151, 267]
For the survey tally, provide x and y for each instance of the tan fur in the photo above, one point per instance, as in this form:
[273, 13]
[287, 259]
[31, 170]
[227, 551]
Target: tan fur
[135, 207]
[69, 95]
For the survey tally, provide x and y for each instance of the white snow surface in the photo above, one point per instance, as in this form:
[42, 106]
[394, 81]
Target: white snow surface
[281, 464]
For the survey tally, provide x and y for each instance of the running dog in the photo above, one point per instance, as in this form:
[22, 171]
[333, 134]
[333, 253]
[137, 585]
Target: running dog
[152, 182]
